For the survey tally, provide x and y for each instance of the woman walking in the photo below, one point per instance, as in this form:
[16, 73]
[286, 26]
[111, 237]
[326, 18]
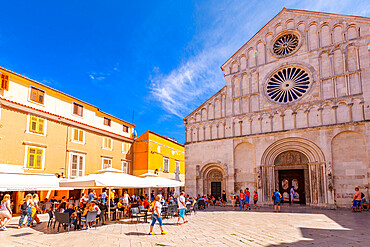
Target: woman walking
[26, 209]
[5, 212]
[35, 208]
[223, 199]
[156, 215]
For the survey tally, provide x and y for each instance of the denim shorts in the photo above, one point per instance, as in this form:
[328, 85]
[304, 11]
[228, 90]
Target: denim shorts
[357, 203]
[155, 218]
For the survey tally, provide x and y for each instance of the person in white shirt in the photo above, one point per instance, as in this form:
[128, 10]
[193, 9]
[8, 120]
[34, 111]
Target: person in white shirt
[95, 207]
[5, 212]
[125, 199]
[156, 215]
[85, 198]
[182, 206]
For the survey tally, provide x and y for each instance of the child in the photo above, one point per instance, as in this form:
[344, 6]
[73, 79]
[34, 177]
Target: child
[255, 200]
[156, 215]
[233, 200]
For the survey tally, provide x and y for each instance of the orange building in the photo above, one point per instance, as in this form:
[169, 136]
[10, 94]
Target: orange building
[47, 131]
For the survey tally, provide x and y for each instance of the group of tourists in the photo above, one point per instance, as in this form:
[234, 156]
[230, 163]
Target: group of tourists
[244, 199]
[359, 201]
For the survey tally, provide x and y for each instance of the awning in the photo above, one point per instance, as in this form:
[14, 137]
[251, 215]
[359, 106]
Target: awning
[156, 181]
[105, 178]
[28, 182]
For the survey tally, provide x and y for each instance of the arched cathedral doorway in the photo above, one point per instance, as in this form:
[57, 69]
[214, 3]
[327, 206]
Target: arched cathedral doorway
[215, 180]
[298, 163]
[211, 179]
[291, 171]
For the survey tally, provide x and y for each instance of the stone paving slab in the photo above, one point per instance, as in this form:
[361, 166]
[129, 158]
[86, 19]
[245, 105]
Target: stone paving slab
[294, 226]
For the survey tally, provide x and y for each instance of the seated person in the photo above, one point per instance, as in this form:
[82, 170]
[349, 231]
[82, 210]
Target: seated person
[83, 215]
[120, 205]
[72, 214]
[95, 207]
[62, 206]
[365, 204]
[145, 203]
[218, 201]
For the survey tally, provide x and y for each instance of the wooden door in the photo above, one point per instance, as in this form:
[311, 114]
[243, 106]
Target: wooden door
[216, 189]
[292, 179]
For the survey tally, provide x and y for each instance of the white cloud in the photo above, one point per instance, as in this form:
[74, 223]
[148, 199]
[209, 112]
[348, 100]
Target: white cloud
[199, 76]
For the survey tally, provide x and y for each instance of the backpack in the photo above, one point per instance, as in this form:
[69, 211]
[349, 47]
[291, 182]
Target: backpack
[276, 196]
[24, 206]
[151, 207]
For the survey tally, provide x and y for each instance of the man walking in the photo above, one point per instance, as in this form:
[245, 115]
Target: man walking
[276, 197]
[182, 206]
[292, 194]
[246, 199]
[241, 199]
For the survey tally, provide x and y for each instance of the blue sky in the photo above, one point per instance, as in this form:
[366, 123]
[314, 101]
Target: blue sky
[160, 59]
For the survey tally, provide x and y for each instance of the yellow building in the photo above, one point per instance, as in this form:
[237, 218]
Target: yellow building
[154, 153]
[47, 131]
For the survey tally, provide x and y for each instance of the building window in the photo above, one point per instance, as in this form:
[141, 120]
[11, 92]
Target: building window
[37, 125]
[177, 165]
[107, 121]
[126, 167]
[107, 163]
[125, 128]
[77, 165]
[126, 148]
[166, 166]
[78, 135]
[4, 82]
[107, 143]
[35, 158]
[78, 109]
[37, 95]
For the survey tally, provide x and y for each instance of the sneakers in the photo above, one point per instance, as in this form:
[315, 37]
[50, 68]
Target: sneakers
[3, 228]
[151, 233]
[186, 221]
[179, 224]
[164, 232]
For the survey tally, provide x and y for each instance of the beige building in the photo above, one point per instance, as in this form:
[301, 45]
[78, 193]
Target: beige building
[294, 112]
[47, 131]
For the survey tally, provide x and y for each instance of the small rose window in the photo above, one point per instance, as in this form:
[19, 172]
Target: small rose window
[285, 45]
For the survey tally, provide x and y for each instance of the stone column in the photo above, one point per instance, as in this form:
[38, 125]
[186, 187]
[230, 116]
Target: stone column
[282, 121]
[294, 115]
[267, 182]
[350, 105]
[320, 109]
[335, 107]
[240, 127]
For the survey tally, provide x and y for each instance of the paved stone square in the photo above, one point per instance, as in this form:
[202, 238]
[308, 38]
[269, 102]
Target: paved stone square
[294, 226]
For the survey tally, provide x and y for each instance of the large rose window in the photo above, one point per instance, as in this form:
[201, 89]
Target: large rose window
[288, 85]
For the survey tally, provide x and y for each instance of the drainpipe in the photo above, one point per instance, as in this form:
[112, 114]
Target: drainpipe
[66, 156]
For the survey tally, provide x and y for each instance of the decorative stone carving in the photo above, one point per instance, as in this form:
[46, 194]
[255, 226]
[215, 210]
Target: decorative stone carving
[291, 158]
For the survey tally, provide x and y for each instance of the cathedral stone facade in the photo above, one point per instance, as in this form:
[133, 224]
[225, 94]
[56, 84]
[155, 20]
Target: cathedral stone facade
[294, 112]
